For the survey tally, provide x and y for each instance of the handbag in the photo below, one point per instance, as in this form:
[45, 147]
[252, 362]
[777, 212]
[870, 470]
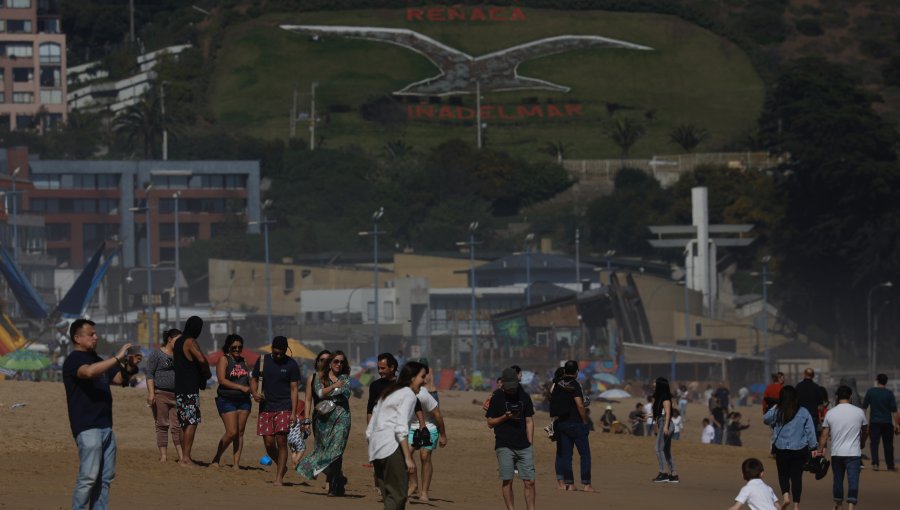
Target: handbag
[325, 407]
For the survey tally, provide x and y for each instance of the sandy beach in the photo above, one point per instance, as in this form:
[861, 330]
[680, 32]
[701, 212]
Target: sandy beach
[41, 463]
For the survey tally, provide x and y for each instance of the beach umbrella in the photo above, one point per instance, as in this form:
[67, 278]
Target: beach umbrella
[757, 388]
[295, 350]
[606, 377]
[608, 394]
[600, 387]
[370, 362]
[24, 360]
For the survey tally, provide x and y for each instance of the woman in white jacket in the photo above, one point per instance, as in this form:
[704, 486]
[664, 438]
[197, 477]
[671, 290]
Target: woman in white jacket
[387, 435]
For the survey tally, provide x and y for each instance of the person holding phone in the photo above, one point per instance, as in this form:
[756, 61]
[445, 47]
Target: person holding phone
[510, 415]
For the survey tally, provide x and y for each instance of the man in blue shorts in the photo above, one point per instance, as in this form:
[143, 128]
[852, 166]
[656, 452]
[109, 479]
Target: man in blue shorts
[427, 414]
[510, 415]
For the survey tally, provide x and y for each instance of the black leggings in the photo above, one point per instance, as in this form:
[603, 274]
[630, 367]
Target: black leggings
[790, 471]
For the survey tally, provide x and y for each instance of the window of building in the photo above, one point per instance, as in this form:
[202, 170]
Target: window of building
[51, 97]
[288, 280]
[19, 50]
[2, 23]
[107, 181]
[185, 231]
[63, 255]
[388, 313]
[18, 26]
[58, 231]
[52, 120]
[170, 181]
[45, 181]
[50, 53]
[24, 121]
[51, 77]
[23, 74]
[18, 4]
[48, 26]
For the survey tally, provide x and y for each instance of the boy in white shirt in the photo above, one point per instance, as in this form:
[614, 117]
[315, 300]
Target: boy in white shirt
[848, 428]
[755, 494]
[709, 432]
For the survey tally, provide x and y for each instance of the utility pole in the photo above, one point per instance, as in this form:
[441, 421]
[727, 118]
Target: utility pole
[478, 112]
[162, 103]
[131, 21]
[312, 119]
[293, 123]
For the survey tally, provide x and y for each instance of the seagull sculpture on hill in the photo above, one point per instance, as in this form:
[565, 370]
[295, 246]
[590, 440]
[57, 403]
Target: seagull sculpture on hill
[460, 72]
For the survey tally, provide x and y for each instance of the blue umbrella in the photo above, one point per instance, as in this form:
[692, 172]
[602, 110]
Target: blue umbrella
[757, 388]
[607, 378]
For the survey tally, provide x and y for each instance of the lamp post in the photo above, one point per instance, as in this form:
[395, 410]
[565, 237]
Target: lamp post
[269, 333]
[765, 291]
[471, 244]
[871, 360]
[875, 335]
[15, 222]
[529, 239]
[577, 258]
[608, 255]
[147, 229]
[176, 196]
[376, 339]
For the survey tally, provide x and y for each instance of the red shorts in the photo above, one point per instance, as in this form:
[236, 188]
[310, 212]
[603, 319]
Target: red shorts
[271, 423]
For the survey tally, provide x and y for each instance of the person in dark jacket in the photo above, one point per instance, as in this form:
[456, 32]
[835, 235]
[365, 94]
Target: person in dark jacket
[810, 396]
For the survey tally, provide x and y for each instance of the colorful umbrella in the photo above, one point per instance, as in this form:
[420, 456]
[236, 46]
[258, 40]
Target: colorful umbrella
[606, 377]
[24, 360]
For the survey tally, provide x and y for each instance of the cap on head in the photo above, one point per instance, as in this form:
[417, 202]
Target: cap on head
[280, 343]
[193, 327]
[609, 408]
[509, 380]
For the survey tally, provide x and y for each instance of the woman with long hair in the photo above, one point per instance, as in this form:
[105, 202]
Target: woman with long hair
[332, 382]
[232, 397]
[386, 434]
[662, 417]
[793, 437]
[161, 394]
[311, 398]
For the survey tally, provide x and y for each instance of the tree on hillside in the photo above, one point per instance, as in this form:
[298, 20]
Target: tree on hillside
[839, 235]
[625, 133]
[143, 123]
[557, 149]
[688, 136]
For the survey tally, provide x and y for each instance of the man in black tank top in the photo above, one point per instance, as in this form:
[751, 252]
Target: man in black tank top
[191, 373]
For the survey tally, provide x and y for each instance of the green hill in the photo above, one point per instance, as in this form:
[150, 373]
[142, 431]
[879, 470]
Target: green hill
[692, 77]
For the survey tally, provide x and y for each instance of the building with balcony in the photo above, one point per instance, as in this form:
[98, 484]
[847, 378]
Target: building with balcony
[32, 65]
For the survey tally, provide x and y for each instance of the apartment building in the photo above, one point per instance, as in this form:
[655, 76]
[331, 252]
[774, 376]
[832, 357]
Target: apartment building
[83, 203]
[32, 65]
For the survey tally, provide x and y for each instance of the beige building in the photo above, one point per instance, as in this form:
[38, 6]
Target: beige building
[32, 65]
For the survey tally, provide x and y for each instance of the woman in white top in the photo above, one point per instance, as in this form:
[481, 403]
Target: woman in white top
[387, 435]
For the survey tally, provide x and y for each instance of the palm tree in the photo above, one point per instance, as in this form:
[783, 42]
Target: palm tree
[144, 121]
[688, 136]
[625, 133]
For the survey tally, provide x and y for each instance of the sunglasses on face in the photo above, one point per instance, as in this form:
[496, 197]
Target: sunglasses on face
[337, 362]
[237, 348]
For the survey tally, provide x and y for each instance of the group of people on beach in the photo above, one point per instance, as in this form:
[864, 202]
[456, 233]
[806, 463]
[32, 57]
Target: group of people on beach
[403, 415]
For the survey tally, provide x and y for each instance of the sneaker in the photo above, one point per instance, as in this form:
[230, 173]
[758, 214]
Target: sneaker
[662, 477]
[673, 479]
[874, 467]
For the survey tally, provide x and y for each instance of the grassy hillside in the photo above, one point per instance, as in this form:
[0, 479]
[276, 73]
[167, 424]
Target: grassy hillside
[692, 77]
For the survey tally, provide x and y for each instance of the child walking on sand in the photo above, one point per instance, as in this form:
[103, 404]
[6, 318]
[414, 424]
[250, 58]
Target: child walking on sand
[755, 494]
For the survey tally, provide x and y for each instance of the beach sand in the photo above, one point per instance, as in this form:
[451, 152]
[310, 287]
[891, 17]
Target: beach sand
[41, 462]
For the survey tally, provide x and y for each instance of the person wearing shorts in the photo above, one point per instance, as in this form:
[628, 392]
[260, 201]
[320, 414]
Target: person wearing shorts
[427, 402]
[510, 415]
[274, 383]
[191, 374]
[232, 398]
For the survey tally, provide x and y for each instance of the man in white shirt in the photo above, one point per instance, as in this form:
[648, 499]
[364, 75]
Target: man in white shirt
[847, 426]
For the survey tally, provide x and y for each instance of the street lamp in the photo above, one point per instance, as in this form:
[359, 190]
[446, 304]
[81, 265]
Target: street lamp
[146, 211]
[265, 223]
[608, 255]
[875, 334]
[871, 363]
[529, 240]
[15, 236]
[471, 244]
[375, 233]
[577, 257]
[765, 290]
[176, 196]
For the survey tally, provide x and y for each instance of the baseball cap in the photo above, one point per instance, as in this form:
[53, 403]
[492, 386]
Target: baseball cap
[509, 379]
